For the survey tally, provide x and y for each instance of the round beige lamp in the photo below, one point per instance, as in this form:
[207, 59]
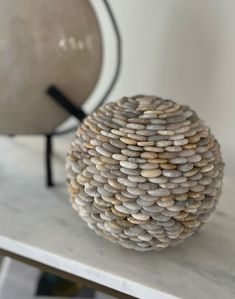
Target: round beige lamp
[44, 43]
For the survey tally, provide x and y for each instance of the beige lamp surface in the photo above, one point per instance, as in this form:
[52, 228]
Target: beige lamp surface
[41, 43]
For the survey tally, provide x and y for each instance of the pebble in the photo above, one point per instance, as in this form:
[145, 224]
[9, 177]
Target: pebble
[122, 209]
[135, 126]
[137, 179]
[185, 167]
[165, 132]
[180, 142]
[134, 148]
[187, 153]
[129, 153]
[155, 127]
[158, 180]
[145, 132]
[128, 164]
[176, 137]
[171, 173]
[148, 155]
[194, 158]
[129, 171]
[157, 121]
[140, 216]
[109, 147]
[128, 140]
[119, 157]
[116, 184]
[174, 149]
[180, 190]
[151, 173]
[163, 143]
[145, 143]
[137, 137]
[159, 192]
[135, 191]
[103, 151]
[117, 143]
[168, 166]
[124, 181]
[179, 160]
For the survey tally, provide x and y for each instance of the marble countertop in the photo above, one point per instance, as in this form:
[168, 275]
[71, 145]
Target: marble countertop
[40, 224]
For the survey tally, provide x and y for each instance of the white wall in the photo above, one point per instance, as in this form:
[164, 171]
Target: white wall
[179, 49]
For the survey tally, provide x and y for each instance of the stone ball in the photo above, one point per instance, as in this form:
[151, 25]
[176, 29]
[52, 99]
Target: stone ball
[144, 172]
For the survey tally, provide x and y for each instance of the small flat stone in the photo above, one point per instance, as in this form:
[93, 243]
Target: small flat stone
[171, 173]
[125, 182]
[137, 179]
[174, 149]
[194, 159]
[159, 192]
[153, 149]
[180, 190]
[129, 171]
[185, 167]
[128, 141]
[207, 168]
[145, 143]
[130, 153]
[197, 188]
[122, 209]
[115, 184]
[135, 126]
[148, 155]
[135, 191]
[176, 137]
[117, 143]
[157, 121]
[132, 206]
[179, 160]
[146, 132]
[108, 134]
[119, 157]
[158, 180]
[180, 142]
[187, 153]
[134, 148]
[176, 119]
[157, 137]
[155, 127]
[167, 166]
[127, 131]
[109, 147]
[128, 164]
[149, 166]
[140, 216]
[163, 143]
[151, 173]
[166, 132]
[103, 151]
[167, 155]
[137, 160]
[137, 137]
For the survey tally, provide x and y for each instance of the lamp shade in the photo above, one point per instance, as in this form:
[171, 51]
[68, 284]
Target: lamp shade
[41, 43]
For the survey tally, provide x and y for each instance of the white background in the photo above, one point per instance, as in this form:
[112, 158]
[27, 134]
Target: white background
[179, 49]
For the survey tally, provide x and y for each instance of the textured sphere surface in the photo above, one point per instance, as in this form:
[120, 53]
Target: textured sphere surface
[45, 42]
[144, 172]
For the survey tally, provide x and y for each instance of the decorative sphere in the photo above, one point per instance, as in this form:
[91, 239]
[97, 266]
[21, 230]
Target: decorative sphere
[144, 172]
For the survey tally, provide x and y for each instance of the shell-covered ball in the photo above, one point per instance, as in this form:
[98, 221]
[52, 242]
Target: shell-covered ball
[144, 172]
